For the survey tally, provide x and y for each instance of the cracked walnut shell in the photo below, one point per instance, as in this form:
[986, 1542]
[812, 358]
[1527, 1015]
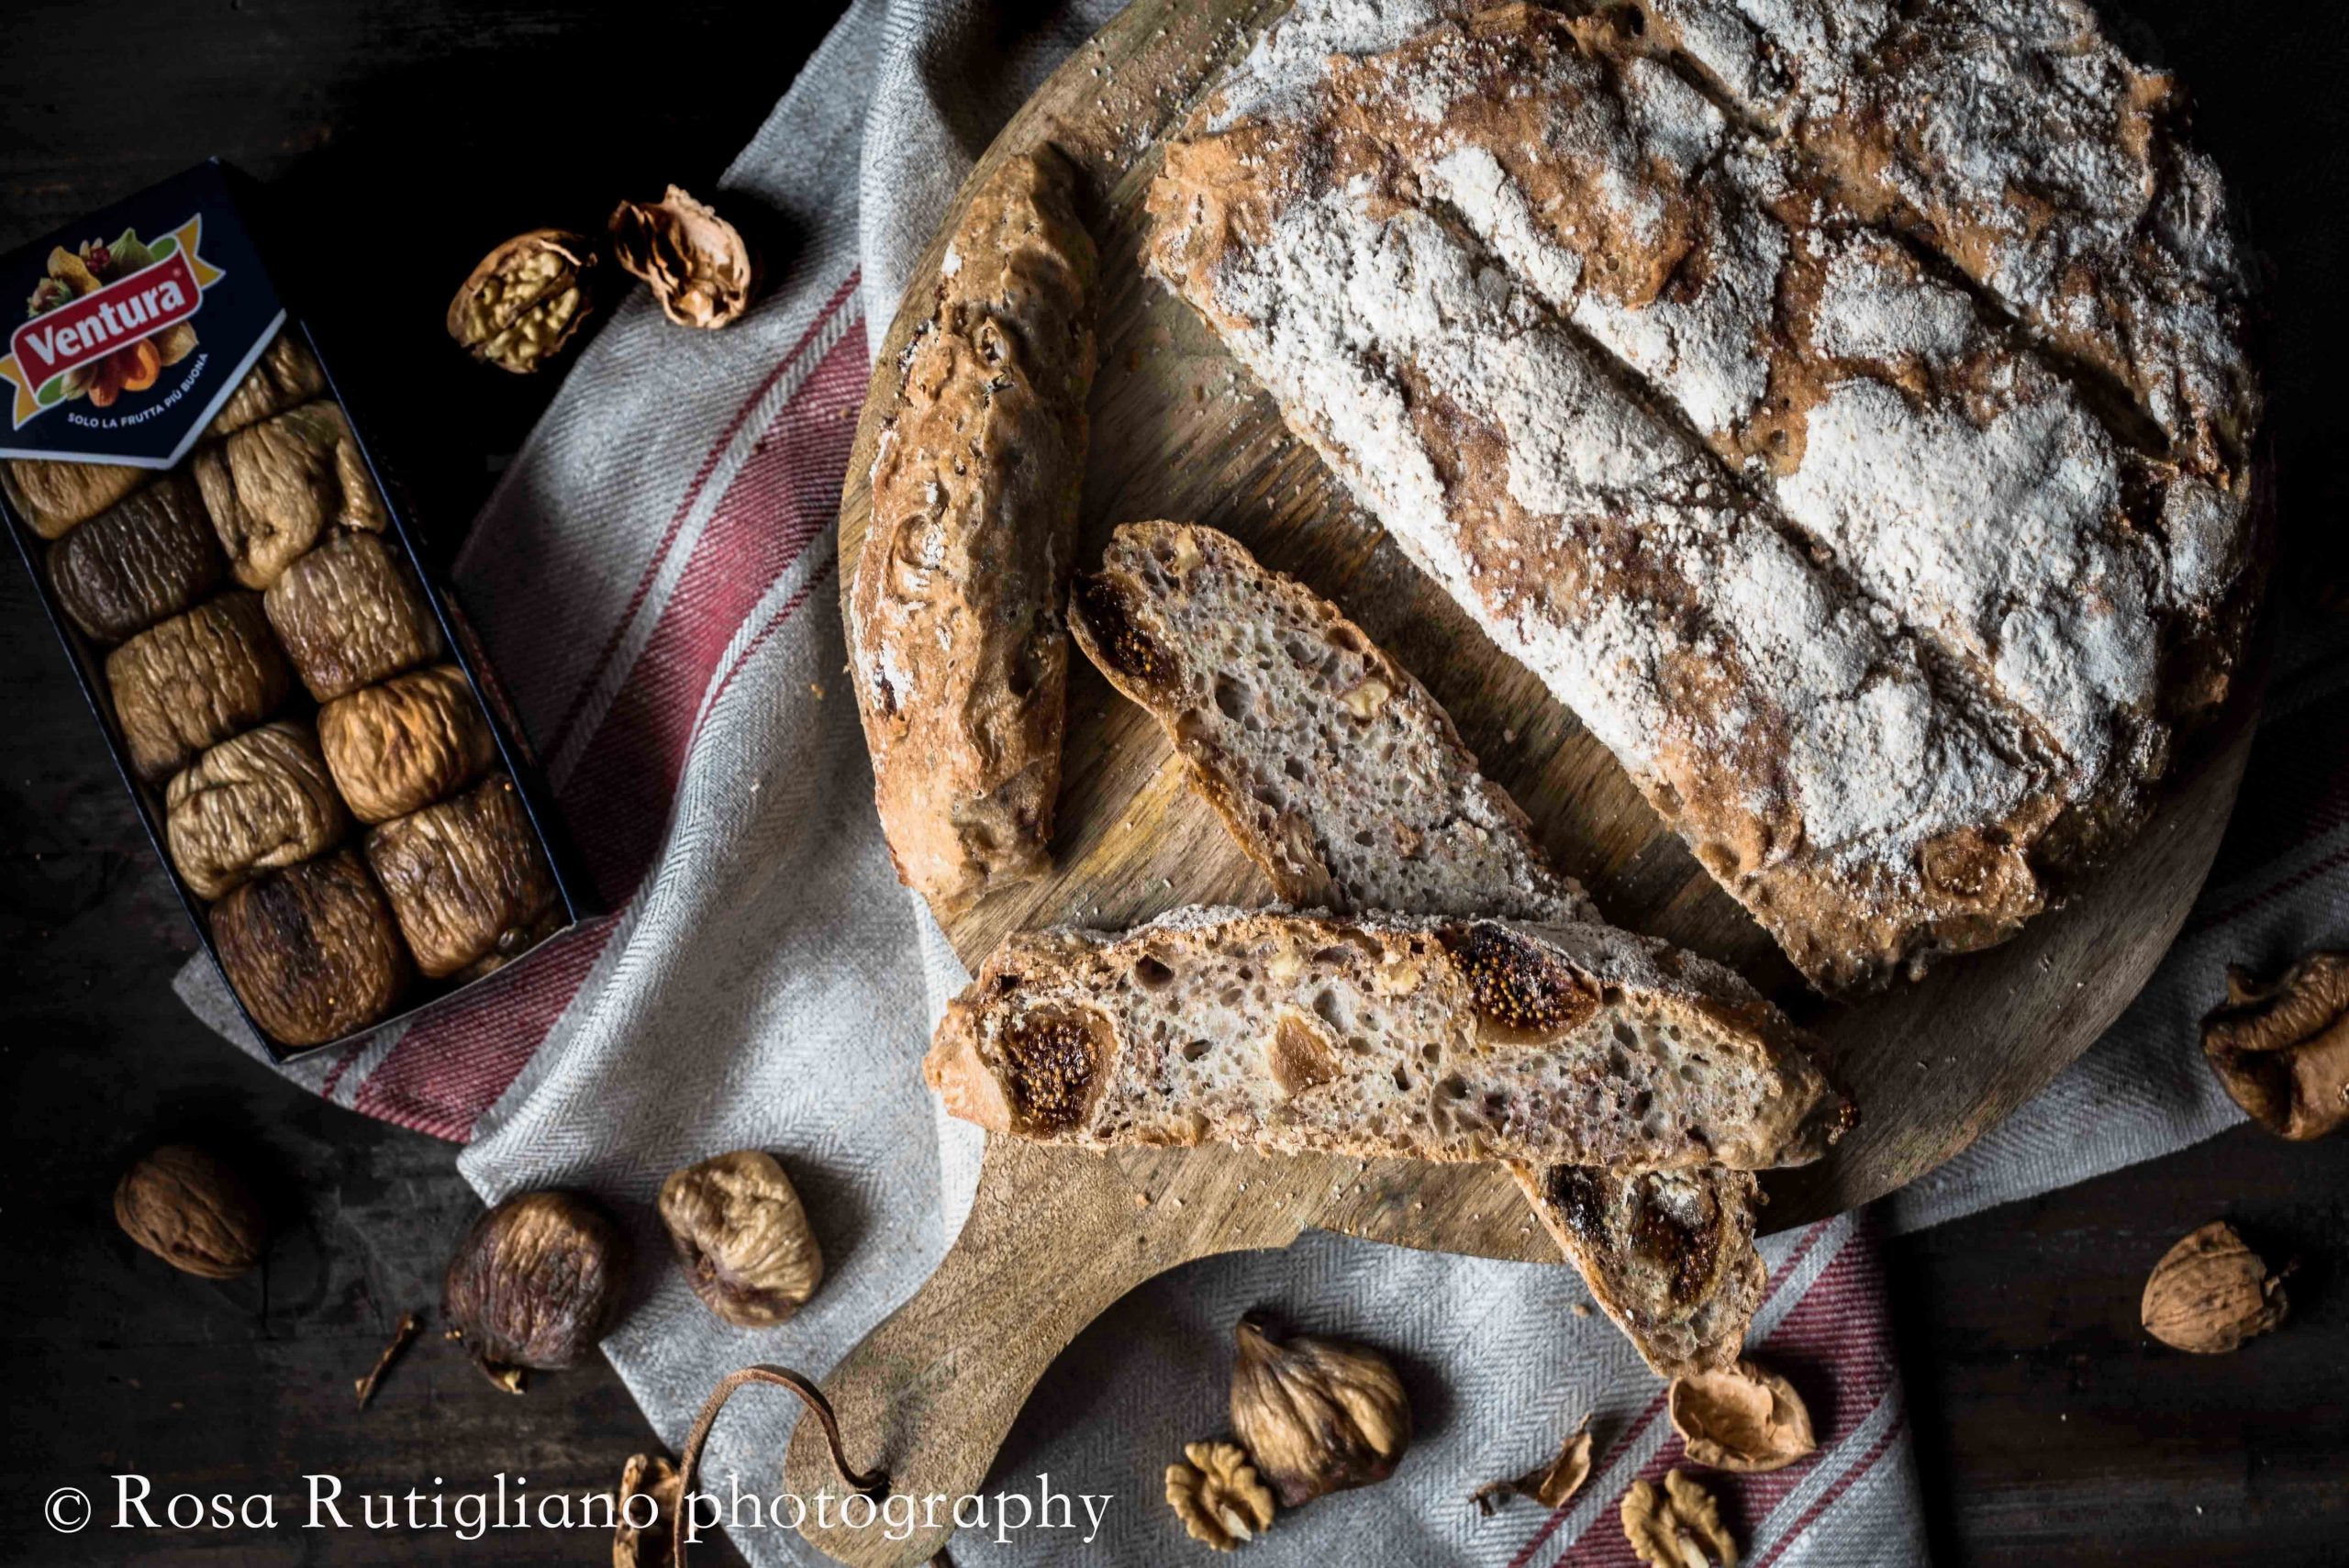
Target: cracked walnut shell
[1218, 1495]
[1742, 1417]
[261, 800]
[2211, 1293]
[192, 1210]
[526, 300]
[1676, 1525]
[2282, 1050]
[697, 264]
[742, 1238]
[654, 1478]
[398, 747]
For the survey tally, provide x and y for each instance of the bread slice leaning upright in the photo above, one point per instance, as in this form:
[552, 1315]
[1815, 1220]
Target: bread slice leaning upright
[956, 640]
[1344, 778]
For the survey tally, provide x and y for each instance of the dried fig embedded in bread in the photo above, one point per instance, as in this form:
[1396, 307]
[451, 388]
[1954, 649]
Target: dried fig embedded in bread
[522, 306]
[1743, 1417]
[1522, 991]
[742, 1238]
[1054, 1065]
[536, 1282]
[2282, 1049]
[699, 267]
[2211, 1293]
[190, 1208]
[1318, 1415]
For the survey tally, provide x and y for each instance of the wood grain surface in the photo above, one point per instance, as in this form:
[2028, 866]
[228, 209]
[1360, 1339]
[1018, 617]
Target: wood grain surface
[1180, 430]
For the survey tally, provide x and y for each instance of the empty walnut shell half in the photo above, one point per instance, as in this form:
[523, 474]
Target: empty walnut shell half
[536, 1282]
[191, 1209]
[2282, 1049]
[526, 301]
[1743, 1417]
[699, 266]
[742, 1238]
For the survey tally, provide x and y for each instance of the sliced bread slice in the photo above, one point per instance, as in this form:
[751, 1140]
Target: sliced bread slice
[1345, 780]
[1333, 768]
[1378, 1035]
[1668, 1254]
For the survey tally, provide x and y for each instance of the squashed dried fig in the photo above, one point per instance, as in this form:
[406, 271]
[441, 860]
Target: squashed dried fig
[742, 1238]
[189, 1208]
[1317, 1415]
[699, 267]
[1742, 1417]
[522, 305]
[536, 1282]
[2282, 1049]
[2211, 1293]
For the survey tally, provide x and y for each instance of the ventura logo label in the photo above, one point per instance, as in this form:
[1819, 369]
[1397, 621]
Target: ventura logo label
[56, 355]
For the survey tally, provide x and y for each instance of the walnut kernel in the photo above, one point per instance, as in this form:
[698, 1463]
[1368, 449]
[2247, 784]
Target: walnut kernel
[2211, 1293]
[2282, 1049]
[523, 304]
[1218, 1495]
[1678, 1526]
[648, 1546]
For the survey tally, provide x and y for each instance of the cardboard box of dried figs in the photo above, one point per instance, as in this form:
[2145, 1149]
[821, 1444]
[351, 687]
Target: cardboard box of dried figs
[318, 750]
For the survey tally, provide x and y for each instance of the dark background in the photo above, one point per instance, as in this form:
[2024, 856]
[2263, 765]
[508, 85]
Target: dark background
[408, 137]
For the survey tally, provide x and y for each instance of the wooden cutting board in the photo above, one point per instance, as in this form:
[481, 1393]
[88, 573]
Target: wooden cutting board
[1181, 431]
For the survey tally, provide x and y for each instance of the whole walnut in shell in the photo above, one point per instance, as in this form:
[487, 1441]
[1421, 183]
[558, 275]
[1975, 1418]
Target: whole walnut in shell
[742, 1238]
[189, 1208]
[2211, 1293]
[698, 265]
[1316, 1415]
[536, 1282]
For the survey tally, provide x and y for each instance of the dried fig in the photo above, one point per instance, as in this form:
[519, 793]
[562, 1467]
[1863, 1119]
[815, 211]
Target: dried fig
[699, 267]
[189, 1208]
[536, 1282]
[1317, 1414]
[742, 1238]
[2211, 1293]
[1742, 1417]
[524, 303]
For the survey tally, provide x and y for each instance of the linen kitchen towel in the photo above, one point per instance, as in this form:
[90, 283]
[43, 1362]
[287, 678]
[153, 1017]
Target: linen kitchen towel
[657, 582]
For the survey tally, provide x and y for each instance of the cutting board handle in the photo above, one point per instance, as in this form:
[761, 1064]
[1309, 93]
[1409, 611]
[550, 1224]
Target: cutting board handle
[1053, 1238]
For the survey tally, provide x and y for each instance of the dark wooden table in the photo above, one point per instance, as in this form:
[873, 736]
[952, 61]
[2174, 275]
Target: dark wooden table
[412, 136]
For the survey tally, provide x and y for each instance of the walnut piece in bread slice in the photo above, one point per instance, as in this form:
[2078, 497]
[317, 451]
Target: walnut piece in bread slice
[1431, 1039]
[956, 642]
[1345, 780]
[1331, 765]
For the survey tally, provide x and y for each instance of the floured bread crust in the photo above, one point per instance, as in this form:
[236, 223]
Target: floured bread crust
[1382, 1035]
[957, 647]
[1890, 602]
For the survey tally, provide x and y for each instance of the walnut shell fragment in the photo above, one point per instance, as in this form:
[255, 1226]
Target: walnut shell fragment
[1218, 1495]
[526, 300]
[699, 266]
[1676, 1525]
[1742, 1417]
[1549, 1485]
[646, 1544]
[742, 1236]
[2281, 1049]
[2211, 1293]
[189, 1208]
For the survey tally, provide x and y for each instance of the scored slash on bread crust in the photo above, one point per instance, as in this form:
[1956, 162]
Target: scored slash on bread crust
[1331, 765]
[1382, 1035]
[1346, 781]
[956, 645]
